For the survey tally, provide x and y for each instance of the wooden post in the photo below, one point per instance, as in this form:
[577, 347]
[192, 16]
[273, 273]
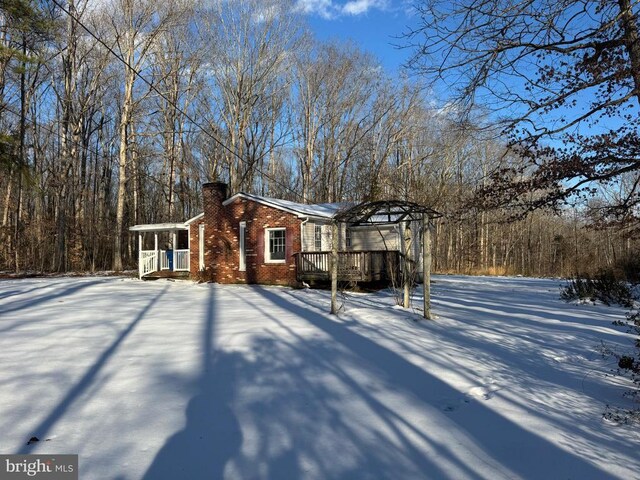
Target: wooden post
[426, 265]
[406, 237]
[334, 268]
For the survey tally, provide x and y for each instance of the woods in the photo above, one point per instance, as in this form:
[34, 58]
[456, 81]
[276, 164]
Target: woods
[113, 113]
[561, 82]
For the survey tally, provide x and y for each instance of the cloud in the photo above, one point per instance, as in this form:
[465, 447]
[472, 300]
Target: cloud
[330, 9]
[359, 7]
[324, 8]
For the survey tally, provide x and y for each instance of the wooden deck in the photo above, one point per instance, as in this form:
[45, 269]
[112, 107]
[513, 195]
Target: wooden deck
[365, 266]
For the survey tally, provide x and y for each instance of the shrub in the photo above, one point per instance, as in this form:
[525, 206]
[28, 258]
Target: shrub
[626, 362]
[206, 276]
[604, 287]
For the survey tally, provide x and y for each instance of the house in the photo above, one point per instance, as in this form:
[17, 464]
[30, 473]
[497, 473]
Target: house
[247, 238]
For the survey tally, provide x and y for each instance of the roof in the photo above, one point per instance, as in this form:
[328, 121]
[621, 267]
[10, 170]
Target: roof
[318, 210]
[156, 227]
[193, 219]
[357, 214]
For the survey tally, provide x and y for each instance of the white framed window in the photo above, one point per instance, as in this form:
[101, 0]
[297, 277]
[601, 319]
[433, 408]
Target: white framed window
[347, 237]
[317, 237]
[243, 253]
[274, 245]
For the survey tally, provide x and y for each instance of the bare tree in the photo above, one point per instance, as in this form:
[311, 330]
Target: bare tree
[250, 43]
[347, 117]
[568, 73]
[135, 26]
[177, 66]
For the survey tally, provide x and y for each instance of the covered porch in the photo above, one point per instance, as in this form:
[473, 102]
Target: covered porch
[163, 248]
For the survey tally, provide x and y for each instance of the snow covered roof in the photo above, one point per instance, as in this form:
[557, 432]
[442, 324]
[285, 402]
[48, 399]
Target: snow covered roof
[156, 227]
[318, 210]
[193, 219]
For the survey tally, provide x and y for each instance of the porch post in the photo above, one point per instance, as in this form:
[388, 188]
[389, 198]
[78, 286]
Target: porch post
[140, 254]
[155, 246]
[426, 265]
[174, 245]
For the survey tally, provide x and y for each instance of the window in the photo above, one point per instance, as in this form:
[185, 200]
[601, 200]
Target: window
[347, 237]
[275, 245]
[243, 253]
[318, 237]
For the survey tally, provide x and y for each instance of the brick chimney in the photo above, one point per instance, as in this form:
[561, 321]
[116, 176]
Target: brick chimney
[216, 224]
[213, 193]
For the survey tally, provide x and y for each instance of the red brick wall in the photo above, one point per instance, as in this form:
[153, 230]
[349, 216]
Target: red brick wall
[222, 244]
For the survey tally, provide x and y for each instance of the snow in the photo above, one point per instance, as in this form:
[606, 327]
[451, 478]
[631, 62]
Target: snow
[169, 380]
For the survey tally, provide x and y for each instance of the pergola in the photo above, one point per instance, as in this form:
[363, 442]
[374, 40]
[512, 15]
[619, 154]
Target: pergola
[388, 212]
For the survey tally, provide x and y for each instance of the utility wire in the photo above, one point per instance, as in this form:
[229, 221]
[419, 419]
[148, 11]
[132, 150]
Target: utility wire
[82, 146]
[170, 102]
[42, 126]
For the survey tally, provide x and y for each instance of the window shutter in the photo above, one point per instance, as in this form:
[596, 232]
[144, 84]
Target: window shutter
[288, 243]
[260, 247]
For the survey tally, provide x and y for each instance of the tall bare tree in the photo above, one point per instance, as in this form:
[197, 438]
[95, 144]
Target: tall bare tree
[135, 26]
[250, 43]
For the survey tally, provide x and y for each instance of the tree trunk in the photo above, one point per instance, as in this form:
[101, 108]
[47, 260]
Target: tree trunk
[125, 120]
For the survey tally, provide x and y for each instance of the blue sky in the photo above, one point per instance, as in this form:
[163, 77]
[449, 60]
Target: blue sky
[370, 24]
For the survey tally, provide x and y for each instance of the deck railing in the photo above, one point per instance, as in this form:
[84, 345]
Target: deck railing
[365, 266]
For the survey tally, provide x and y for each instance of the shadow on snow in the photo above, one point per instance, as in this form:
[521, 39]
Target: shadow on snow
[285, 409]
[45, 425]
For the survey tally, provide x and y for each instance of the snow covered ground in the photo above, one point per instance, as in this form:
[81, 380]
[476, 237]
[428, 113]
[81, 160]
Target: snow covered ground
[174, 380]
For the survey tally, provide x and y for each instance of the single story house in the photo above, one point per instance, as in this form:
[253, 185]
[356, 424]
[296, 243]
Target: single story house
[248, 238]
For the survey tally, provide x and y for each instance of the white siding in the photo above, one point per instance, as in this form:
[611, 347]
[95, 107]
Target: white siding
[307, 236]
[362, 238]
[309, 240]
[372, 238]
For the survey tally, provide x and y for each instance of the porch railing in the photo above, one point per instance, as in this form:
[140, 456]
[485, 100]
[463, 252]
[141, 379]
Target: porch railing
[365, 266]
[181, 260]
[152, 261]
[148, 262]
[164, 260]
